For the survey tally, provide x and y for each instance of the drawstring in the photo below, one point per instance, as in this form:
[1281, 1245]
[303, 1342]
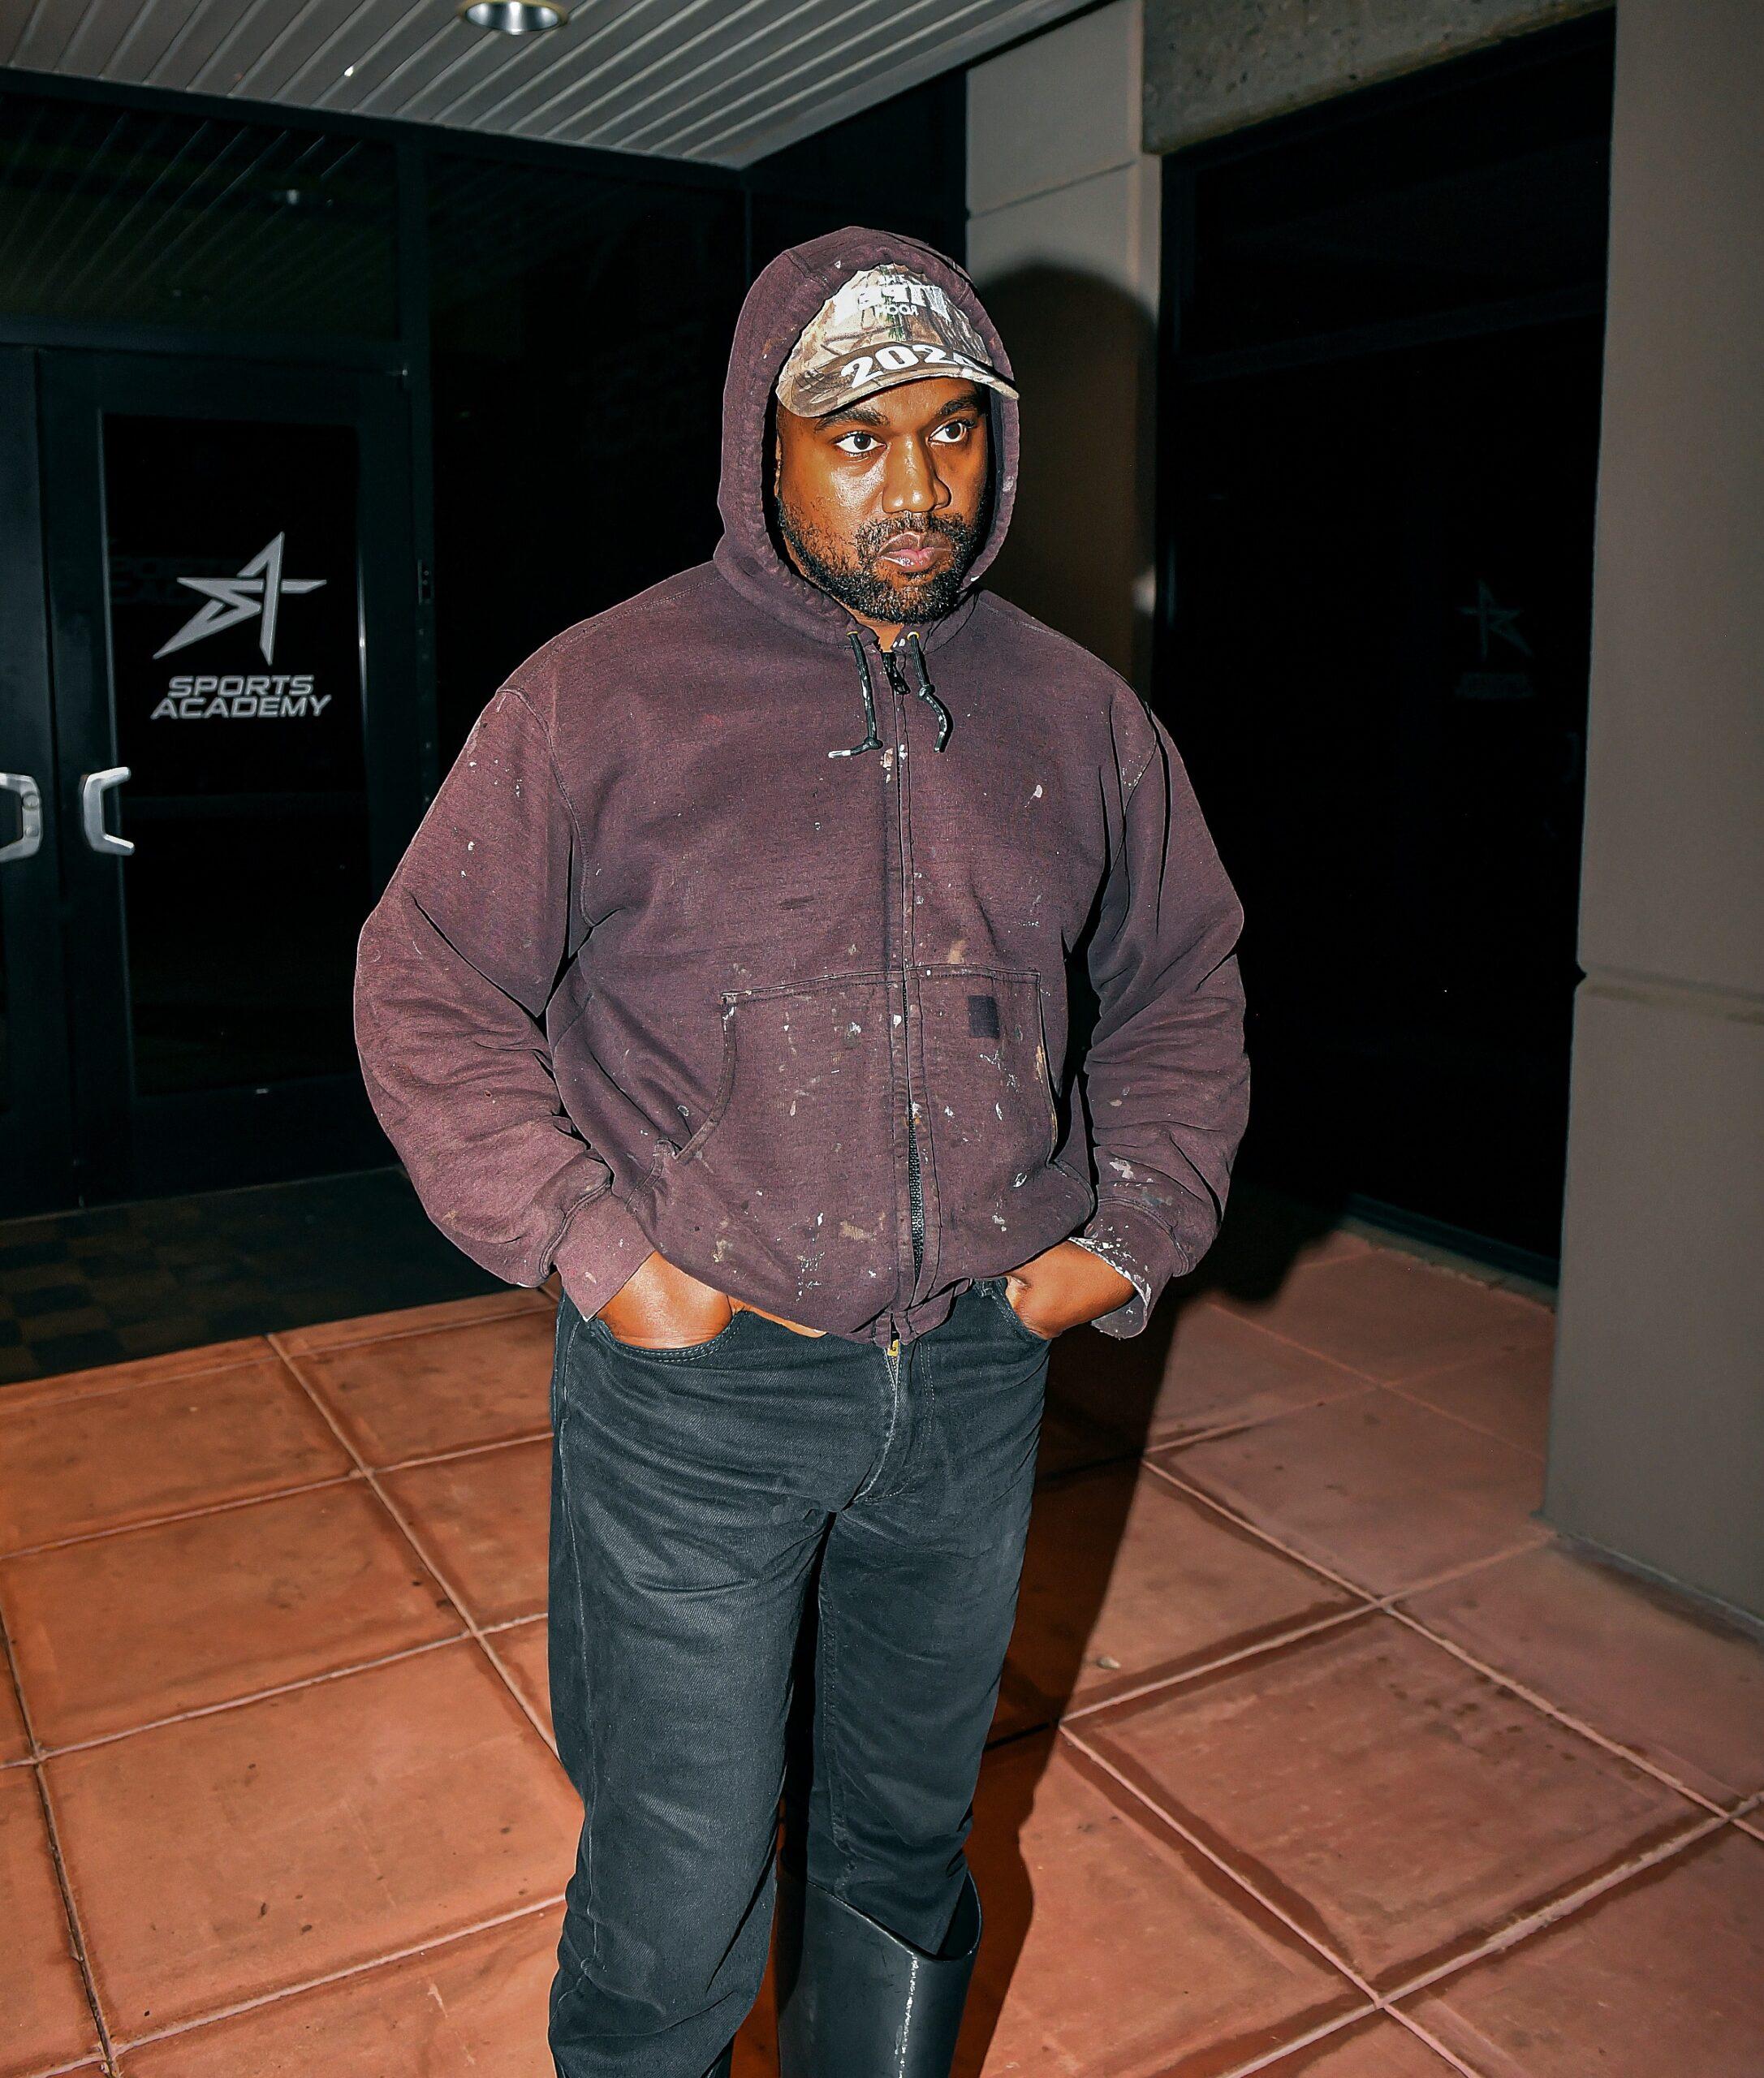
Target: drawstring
[872, 740]
[924, 689]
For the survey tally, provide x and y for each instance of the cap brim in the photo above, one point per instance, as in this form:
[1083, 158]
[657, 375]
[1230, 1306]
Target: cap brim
[892, 379]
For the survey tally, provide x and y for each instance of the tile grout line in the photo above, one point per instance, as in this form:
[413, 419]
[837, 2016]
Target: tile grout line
[1355, 1382]
[1562, 1716]
[279, 1688]
[1291, 1342]
[1267, 1537]
[1426, 2036]
[1521, 1929]
[12, 1395]
[179, 1515]
[75, 1931]
[1385, 1604]
[1557, 1910]
[76, 1938]
[446, 1586]
[277, 1335]
[208, 1362]
[1324, 2031]
[1715, 1816]
[1540, 1535]
[1406, 1391]
[1544, 1333]
[359, 1471]
[1140, 1450]
[1365, 1605]
[1232, 1876]
[257, 1695]
[133, 2042]
[467, 1450]
[1450, 1576]
[1333, 1621]
[1239, 1425]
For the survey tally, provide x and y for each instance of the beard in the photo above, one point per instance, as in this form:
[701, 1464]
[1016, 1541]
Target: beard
[859, 584]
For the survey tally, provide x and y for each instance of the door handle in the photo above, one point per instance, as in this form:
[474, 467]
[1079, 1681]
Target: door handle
[93, 787]
[30, 836]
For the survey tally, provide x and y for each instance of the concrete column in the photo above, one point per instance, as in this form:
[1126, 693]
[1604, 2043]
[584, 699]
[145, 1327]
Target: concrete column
[1657, 1432]
[1062, 244]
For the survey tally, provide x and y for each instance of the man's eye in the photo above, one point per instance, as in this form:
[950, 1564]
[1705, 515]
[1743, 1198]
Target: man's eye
[844, 436]
[959, 427]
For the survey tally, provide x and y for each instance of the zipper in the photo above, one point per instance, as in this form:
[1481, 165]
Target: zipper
[915, 1188]
[915, 1197]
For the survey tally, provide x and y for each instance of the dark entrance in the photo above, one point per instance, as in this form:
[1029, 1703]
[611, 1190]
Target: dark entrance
[204, 797]
[1381, 430]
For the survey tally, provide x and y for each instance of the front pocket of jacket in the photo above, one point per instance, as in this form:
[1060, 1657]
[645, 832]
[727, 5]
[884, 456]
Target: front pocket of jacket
[993, 1125]
[787, 1188]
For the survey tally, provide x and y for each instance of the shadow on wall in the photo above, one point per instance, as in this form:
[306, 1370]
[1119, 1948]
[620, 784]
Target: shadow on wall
[1079, 552]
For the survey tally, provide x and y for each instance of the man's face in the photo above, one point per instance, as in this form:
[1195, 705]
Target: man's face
[881, 503]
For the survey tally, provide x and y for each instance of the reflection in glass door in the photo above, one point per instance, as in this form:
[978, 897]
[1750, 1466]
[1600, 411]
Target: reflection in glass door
[237, 680]
[243, 752]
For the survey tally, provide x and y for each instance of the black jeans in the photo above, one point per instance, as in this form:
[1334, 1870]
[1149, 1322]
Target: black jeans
[698, 1496]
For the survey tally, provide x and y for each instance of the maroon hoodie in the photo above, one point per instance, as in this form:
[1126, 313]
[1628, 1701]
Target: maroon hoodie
[661, 970]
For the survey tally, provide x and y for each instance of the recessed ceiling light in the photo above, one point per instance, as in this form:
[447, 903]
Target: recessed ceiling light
[513, 17]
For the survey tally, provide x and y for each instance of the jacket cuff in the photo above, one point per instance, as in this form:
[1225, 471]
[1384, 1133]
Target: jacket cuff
[602, 1248]
[1133, 1242]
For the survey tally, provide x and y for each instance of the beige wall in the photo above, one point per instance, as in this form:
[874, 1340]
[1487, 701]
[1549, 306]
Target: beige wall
[1062, 244]
[1657, 1442]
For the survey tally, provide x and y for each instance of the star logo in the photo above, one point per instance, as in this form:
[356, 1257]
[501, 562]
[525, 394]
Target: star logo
[255, 594]
[1501, 622]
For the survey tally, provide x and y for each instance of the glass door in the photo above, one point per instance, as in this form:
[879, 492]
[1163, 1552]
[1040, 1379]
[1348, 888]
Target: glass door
[243, 753]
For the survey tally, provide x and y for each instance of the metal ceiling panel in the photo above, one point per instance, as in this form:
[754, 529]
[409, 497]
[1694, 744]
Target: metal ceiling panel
[721, 81]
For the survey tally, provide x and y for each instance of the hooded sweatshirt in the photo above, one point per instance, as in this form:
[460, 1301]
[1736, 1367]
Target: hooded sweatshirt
[670, 964]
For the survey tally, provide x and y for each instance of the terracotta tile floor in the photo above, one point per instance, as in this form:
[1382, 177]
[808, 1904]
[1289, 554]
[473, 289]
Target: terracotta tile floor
[1316, 1756]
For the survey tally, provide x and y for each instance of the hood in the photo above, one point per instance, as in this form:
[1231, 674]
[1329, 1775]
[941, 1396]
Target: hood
[785, 294]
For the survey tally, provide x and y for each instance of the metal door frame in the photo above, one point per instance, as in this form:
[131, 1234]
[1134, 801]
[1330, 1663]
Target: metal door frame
[36, 1101]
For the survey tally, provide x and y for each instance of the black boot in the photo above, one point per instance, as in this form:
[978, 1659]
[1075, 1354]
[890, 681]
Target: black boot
[854, 2000]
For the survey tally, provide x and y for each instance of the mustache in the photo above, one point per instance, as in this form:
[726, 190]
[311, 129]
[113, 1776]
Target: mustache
[874, 540]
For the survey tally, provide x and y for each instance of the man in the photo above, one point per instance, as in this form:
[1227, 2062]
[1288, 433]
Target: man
[728, 976]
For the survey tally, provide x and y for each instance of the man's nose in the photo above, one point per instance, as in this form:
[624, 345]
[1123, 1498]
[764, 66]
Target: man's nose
[911, 483]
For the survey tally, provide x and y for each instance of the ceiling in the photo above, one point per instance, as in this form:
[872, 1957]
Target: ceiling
[720, 81]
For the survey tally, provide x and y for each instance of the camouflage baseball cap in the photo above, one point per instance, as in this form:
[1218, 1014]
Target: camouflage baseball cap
[885, 325]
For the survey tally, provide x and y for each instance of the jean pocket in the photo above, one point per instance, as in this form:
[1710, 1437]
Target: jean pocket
[996, 1286]
[687, 1352]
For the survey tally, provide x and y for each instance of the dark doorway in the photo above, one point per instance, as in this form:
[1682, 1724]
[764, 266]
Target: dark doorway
[229, 570]
[1379, 470]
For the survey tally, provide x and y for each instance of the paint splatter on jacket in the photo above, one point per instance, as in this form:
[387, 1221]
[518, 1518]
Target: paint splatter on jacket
[665, 968]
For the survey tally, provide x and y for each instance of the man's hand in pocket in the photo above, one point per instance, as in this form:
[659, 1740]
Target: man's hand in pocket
[659, 1307]
[1063, 1287]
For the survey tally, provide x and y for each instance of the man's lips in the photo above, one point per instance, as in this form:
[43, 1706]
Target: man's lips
[915, 551]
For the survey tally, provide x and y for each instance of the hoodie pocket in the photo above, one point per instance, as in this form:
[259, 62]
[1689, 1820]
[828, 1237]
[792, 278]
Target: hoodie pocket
[785, 1192]
[993, 1117]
